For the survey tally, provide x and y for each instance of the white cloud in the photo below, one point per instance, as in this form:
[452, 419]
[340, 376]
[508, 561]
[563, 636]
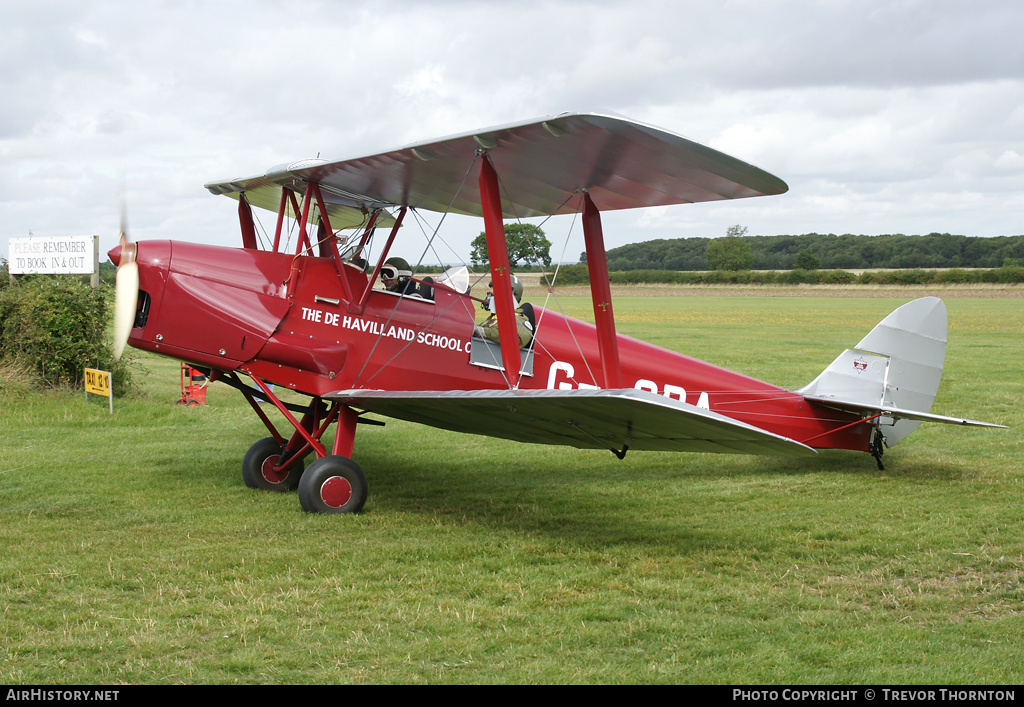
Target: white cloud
[899, 116]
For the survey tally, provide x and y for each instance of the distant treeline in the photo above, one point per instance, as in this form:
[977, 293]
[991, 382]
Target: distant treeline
[1007, 274]
[830, 252]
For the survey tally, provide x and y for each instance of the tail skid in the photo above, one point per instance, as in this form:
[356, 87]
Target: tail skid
[894, 372]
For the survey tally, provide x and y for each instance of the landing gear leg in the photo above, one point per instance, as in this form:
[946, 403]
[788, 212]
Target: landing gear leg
[877, 448]
[333, 483]
[274, 465]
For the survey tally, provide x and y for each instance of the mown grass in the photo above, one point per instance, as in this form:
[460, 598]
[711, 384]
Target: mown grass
[134, 553]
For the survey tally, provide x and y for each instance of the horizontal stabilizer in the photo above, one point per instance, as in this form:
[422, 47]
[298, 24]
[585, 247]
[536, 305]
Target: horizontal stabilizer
[586, 419]
[897, 413]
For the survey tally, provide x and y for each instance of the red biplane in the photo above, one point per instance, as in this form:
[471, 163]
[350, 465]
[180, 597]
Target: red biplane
[315, 320]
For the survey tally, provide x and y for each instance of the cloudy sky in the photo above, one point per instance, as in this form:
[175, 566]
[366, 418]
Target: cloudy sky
[895, 116]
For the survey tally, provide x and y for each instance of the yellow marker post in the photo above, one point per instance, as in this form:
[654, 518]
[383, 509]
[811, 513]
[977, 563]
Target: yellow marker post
[99, 383]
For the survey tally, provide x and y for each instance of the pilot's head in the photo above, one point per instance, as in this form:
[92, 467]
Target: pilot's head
[517, 292]
[395, 272]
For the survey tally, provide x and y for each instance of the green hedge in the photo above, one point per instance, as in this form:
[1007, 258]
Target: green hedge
[56, 326]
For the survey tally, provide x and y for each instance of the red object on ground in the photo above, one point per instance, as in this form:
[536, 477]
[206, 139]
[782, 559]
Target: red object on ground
[193, 386]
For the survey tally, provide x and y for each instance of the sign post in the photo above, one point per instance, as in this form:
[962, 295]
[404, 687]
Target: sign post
[99, 383]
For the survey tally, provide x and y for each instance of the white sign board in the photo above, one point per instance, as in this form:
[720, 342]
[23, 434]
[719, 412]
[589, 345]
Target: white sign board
[53, 255]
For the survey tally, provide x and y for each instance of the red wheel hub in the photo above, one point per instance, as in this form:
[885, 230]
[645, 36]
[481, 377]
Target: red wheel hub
[336, 491]
[272, 475]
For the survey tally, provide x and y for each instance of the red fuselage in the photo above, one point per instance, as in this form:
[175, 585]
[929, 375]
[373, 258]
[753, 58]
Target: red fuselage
[290, 320]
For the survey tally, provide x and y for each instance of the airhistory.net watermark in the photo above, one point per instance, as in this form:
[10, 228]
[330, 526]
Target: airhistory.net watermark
[50, 695]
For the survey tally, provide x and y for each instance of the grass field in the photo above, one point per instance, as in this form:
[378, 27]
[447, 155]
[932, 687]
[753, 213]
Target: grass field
[134, 553]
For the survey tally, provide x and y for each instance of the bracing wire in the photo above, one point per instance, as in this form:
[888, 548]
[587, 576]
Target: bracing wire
[394, 309]
[551, 286]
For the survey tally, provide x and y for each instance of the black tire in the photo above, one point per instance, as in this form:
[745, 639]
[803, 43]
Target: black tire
[333, 484]
[258, 468]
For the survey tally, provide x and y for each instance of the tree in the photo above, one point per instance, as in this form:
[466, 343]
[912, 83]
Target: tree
[526, 244]
[730, 252]
[805, 260]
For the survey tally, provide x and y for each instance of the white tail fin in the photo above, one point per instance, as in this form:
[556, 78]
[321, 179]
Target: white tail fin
[894, 370]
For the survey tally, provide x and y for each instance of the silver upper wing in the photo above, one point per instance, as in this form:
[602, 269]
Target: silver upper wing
[541, 164]
[586, 419]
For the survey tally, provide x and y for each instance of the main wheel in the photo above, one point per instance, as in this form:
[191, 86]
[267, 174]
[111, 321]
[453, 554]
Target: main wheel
[333, 484]
[258, 468]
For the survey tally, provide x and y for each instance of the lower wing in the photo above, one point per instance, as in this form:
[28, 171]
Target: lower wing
[586, 419]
